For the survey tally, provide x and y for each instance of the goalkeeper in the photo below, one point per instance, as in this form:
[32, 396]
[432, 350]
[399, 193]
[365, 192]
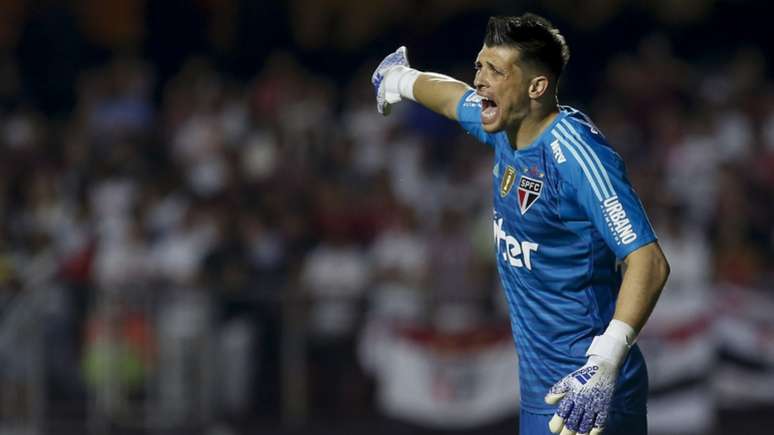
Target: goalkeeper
[564, 214]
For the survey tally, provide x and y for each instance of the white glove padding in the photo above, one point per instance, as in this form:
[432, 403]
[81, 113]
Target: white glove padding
[392, 80]
[584, 395]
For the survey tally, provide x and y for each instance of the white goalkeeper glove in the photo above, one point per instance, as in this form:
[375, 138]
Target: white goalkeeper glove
[393, 80]
[584, 395]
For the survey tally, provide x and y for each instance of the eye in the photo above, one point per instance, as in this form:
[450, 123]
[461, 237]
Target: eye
[495, 69]
[477, 66]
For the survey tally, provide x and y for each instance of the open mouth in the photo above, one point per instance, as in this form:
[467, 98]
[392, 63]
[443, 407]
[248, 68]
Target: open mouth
[489, 110]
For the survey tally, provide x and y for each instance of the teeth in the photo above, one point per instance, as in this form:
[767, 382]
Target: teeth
[489, 114]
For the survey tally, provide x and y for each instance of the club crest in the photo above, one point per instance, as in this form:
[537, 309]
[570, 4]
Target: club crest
[507, 182]
[529, 192]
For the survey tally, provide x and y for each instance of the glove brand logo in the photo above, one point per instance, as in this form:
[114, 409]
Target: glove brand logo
[585, 374]
[516, 253]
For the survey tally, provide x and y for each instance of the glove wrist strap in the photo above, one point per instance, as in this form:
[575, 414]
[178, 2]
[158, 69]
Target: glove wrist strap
[614, 344]
[622, 331]
[400, 80]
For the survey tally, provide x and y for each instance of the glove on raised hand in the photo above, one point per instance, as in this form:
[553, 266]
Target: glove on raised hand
[393, 80]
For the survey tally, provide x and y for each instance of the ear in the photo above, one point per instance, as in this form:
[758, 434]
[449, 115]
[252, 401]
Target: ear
[538, 86]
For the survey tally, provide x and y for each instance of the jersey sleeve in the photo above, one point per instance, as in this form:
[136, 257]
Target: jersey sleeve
[469, 117]
[596, 179]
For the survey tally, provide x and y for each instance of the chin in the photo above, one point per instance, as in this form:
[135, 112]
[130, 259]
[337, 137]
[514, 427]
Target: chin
[494, 127]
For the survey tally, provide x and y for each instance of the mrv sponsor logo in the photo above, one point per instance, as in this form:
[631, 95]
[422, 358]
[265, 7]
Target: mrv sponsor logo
[618, 222]
[516, 253]
[557, 150]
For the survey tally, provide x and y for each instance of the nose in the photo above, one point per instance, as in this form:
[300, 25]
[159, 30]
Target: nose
[478, 81]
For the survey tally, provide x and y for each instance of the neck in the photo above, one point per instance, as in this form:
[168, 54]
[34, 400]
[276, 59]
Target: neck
[531, 126]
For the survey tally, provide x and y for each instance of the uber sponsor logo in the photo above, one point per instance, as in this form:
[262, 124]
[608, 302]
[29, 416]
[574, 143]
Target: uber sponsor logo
[516, 253]
[618, 221]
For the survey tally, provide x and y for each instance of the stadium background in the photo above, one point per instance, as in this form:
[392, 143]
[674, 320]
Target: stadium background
[207, 228]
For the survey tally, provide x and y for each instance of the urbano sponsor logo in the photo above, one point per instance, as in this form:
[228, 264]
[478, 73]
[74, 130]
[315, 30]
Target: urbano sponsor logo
[618, 221]
[514, 252]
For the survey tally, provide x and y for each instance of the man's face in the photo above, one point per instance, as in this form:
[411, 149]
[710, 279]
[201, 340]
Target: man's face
[502, 84]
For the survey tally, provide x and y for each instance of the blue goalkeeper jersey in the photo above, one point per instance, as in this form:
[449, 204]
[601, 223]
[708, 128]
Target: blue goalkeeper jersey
[564, 214]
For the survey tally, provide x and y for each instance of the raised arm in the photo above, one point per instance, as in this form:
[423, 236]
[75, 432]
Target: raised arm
[439, 93]
[394, 80]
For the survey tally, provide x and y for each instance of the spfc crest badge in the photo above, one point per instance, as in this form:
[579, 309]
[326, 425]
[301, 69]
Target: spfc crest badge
[529, 192]
[507, 182]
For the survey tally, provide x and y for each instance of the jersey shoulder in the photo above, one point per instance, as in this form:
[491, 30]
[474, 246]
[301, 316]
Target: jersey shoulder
[579, 146]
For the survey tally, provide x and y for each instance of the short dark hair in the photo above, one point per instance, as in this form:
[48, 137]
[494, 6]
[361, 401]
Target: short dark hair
[539, 42]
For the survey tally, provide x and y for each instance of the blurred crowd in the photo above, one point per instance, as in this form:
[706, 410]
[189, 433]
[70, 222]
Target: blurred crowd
[210, 217]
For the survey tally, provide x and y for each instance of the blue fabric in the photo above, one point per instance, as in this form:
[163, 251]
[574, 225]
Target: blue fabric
[564, 213]
[617, 424]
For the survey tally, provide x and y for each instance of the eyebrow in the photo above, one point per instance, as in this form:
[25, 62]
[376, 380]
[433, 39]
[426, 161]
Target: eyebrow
[488, 62]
